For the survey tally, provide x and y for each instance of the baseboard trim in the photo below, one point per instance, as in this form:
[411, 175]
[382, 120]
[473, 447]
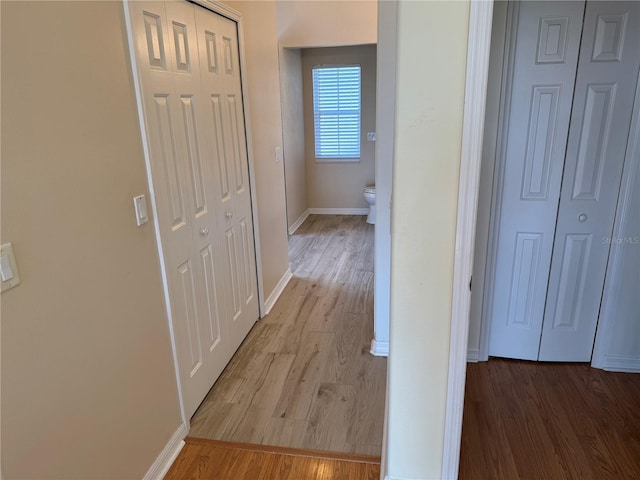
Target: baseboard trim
[473, 355]
[621, 363]
[277, 291]
[295, 225]
[167, 456]
[388, 477]
[339, 211]
[379, 349]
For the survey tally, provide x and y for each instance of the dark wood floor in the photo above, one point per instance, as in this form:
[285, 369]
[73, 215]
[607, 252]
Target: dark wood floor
[528, 420]
[304, 377]
[211, 459]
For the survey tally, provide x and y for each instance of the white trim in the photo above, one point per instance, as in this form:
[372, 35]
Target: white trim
[379, 349]
[339, 211]
[478, 51]
[621, 363]
[498, 178]
[296, 225]
[277, 291]
[152, 198]
[167, 456]
[387, 477]
[472, 355]
[220, 8]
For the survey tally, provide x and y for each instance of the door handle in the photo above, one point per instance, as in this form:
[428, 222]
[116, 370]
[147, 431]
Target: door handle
[582, 217]
[228, 214]
[204, 231]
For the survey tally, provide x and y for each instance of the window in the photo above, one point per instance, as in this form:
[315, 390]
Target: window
[336, 112]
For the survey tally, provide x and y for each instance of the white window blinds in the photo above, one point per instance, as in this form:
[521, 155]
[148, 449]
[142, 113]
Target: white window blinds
[336, 111]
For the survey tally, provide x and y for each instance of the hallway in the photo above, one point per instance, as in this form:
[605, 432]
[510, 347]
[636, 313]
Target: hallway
[304, 377]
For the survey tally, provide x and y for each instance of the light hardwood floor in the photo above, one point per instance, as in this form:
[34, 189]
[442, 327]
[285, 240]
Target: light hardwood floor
[212, 459]
[304, 377]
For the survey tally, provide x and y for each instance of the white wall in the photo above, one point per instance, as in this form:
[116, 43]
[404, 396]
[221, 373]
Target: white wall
[494, 85]
[341, 185]
[431, 61]
[263, 80]
[88, 384]
[326, 23]
[293, 133]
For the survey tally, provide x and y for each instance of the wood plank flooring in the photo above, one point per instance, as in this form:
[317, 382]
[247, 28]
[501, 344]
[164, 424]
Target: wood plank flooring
[211, 459]
[304, 377]
[549, 421]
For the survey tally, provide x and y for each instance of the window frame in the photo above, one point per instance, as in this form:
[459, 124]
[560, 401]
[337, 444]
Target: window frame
[336, 159]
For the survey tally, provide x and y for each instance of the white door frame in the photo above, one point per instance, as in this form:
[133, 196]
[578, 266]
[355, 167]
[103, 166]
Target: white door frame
[224, 10]
[478, 50]
[475, 97]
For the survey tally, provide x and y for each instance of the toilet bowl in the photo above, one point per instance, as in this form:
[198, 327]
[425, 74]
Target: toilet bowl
[370, 197]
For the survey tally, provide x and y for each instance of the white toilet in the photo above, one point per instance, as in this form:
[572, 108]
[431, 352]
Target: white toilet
[370, 197]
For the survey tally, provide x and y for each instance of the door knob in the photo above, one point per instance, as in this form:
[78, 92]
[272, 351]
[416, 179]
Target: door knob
[582, 217]
[204, 231]
[228, 214]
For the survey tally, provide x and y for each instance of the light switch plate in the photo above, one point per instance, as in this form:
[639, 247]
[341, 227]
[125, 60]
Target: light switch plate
[9, 267]
[278, 154]
[140, 204]
[371, 136]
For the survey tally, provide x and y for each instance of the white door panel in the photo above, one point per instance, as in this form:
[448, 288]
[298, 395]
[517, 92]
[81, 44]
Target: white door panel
[602, 108]
[545, 59]
[221, 85]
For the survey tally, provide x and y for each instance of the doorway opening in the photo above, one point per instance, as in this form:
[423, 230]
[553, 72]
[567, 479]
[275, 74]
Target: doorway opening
[304, 377]
[557, 417]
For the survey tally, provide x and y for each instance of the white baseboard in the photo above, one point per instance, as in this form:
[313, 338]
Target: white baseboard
[292, 229]
[621, 363]
[167, 456]
[473, 355]
[339, 211]
[277, 291]
[387, 477]
[379, 349]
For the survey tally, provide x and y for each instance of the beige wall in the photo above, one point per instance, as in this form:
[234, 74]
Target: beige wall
[327, 23]
[263, 81]
[88, 385]
[432, 39]
[340, 185]
[293, 133]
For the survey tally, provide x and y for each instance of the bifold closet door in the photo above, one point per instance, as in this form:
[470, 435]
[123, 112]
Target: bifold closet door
[598, 134]
[224, 121]
[185, 163]
[543, 57]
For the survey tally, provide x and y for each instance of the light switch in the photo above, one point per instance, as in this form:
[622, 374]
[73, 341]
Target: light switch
[278, 154]
[140, 204]
[371, 136]
[8, 267]
[5, 268]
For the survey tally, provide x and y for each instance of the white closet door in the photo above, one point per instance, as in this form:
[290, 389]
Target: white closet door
[602, 108]
[183, 168]
[224, 119]
[544, 67]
